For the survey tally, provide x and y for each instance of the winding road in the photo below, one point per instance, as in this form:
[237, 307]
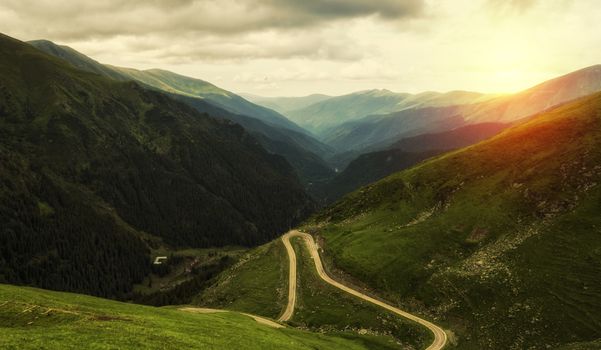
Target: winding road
[440, 337]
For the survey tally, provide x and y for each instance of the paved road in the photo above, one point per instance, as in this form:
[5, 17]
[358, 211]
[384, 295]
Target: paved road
[440, 337]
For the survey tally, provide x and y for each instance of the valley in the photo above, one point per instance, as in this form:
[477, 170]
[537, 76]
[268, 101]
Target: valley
[461, 264]
[369, 175]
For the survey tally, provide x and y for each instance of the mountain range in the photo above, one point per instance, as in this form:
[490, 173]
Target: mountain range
[382, 129]
[327, 113]
[95, 172]
[499, 241]
[275, 132]
[285, 105]
[366, 124]
[422, 122]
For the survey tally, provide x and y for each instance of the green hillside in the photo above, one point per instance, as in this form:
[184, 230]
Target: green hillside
[258, 284]
[94, 172]
[370, 167]
[186, 86]
[322, 307]
[273, 131]
[171, 82]
[38, 319]
[303, 152]
[501, 240]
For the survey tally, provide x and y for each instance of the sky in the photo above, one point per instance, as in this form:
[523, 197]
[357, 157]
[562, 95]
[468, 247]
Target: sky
[301, 47]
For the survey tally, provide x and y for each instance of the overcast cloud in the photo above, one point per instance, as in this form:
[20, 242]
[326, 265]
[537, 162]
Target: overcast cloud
[83, 19]
[296, 47]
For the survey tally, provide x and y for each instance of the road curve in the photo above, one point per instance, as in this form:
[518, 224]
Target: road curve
[440, 337]
[291, 279]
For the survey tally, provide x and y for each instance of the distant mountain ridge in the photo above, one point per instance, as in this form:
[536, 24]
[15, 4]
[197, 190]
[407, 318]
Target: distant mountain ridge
[372, 130]
[170, 82]
[192, 87]
[286, 104]
[334, 111]
[275, 132]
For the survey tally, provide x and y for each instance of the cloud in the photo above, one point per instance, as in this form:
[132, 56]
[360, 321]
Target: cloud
[77, 20]
[313, 45]
[332, 46]
[334, 9]
[204, 30]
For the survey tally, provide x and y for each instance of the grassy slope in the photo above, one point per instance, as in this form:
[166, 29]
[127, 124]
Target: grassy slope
[371, 167]
[172, 82]
[38, 319]
[501, 241]
[323, 307]
[257, 284]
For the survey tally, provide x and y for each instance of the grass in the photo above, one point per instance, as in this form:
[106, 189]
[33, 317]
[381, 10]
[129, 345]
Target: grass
[325, 308]
[39, 319]
[500, 240]
[257, 284]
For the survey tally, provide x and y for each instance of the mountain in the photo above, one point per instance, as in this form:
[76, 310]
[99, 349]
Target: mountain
[284, 105]
[499, 241]
[449, 140]
[363, 169]
[548, 94]
[368, 132]
[182, 85]
[373, 130]
[337, 110]
[371, 167]
[169, 82]
[276, 134]
[94, 172]
[330, 113]
[301, 151]
[77, 59]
